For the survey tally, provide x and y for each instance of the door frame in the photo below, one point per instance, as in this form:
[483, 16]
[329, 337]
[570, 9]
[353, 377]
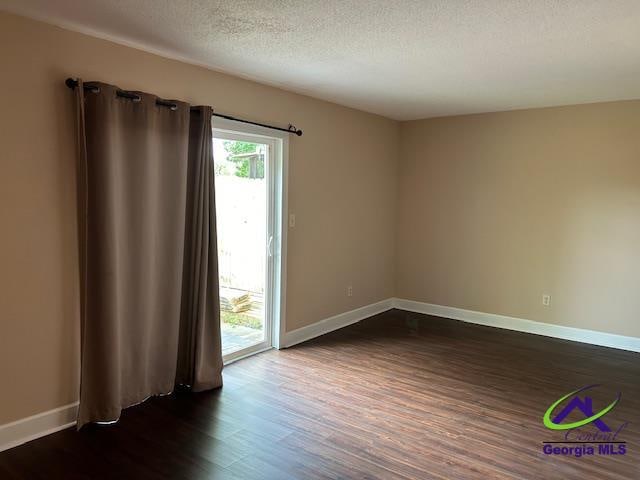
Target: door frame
[276, 171]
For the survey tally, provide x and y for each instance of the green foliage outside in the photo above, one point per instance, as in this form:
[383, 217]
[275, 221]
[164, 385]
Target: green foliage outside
[241, 319]
[242, 164]
[235, 148]
[242, 168]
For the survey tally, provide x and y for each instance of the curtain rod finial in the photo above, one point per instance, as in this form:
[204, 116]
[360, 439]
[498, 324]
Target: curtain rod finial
[293, 129]
[71, 83]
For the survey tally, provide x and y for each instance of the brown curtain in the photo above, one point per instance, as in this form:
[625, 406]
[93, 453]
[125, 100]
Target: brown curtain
[149, 276]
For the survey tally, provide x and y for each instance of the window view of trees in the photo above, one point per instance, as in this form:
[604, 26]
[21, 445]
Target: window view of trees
[247, 157]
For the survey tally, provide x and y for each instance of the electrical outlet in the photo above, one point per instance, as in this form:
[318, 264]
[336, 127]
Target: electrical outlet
[546, 300]
[349, 291]
[292, 220]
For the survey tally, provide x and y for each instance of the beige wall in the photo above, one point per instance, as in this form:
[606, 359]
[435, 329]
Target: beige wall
[497, 209]
[341, 187]
[484, 212]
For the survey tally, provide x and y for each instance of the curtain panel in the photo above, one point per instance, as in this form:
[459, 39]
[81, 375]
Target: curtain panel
[150, 315]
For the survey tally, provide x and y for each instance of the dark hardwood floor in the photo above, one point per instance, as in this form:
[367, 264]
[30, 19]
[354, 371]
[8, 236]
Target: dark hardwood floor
[398, 396]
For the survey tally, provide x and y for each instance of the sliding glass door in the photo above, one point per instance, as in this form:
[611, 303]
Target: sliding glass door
[244, 210]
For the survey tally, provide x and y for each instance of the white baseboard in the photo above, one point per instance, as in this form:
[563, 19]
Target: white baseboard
[521, 325]
[27, 429]
[334, 323]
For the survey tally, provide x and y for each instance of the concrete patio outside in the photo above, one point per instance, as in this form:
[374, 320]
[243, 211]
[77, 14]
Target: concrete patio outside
[237, 335]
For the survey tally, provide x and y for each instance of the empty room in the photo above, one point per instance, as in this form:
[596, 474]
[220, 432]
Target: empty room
[291, 240]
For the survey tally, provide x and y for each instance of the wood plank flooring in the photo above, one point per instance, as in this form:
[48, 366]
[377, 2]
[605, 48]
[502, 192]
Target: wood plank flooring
[398, 396]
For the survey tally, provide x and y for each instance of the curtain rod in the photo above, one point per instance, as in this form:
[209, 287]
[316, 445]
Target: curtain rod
[72, 84]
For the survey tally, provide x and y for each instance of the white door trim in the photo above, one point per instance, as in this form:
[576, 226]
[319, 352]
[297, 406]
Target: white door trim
[278, 211]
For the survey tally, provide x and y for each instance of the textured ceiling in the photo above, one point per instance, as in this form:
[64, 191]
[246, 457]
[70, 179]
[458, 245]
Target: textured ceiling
[403, 59]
